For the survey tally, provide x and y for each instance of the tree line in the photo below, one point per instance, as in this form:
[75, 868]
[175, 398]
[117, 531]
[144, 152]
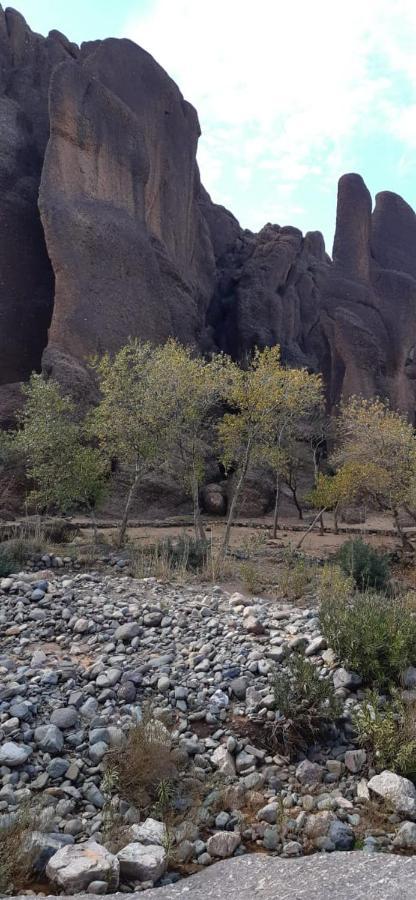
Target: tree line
[166, 410]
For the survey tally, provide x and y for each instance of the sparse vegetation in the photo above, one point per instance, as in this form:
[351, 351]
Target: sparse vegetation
[296, 575]
[372, 634]
[16, 854]
[173, 558]
[332, 583]
[387, 730]
[307, 705]
[369, 568]
[145, 764]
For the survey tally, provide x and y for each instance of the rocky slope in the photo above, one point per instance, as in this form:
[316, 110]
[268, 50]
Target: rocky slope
[106, 232]
[82, 653]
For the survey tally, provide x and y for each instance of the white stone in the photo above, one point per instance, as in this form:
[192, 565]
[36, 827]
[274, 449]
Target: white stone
[223, 760]
[406, 837]
[149, 832]
[142, 862]
[12, 754]
[399, 792]
[75, 866]
[223, 843]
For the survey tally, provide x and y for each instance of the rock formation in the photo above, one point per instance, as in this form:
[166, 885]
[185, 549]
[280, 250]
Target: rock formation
[125, 240]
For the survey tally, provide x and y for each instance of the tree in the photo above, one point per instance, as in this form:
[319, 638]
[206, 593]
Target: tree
[299, 407]
[130, 422]
[66, 471]
[192, 389]
[265, 401]
[375, 458]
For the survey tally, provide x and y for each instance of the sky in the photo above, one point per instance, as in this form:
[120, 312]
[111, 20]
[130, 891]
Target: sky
[290, 95]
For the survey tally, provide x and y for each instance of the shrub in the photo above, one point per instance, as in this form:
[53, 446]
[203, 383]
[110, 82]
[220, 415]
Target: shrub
[173, 557]
[16, 851]
[296, 575]
[7, 560]
[332, 582]
[368, 567]
[145, 763]
[306, 703]
[372, 634]
[388, 732]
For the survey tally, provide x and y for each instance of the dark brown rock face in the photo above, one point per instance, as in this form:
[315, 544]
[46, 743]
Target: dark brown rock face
[125, 241]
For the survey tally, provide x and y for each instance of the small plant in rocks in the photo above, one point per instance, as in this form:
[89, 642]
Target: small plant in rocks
[307, 705]
[16, 858]
[368, 567]
[372, 634]
[145, 764]
[387, 730]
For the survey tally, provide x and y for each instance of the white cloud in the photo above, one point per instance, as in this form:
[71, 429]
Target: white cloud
[283, 88]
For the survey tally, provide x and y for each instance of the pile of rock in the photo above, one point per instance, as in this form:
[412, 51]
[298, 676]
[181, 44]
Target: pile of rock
[82, 653]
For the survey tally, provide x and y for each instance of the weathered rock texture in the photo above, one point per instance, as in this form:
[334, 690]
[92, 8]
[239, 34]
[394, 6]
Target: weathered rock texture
[125, 241]
[346, 876]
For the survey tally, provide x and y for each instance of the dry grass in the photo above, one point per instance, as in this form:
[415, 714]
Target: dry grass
[16, 858]
[146, 766]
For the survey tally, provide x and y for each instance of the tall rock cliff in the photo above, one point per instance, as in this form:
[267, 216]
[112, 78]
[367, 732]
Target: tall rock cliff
[106, 232]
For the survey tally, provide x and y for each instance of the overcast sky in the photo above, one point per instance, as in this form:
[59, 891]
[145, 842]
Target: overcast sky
[290, 93]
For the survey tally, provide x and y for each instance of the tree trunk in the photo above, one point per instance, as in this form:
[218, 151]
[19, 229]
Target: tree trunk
[233, 504]
[276, 506]
[129, 500]
[94, 524]
[296, 501]
[198, 524]
[336, 511]
[308, 530]
[406, 545]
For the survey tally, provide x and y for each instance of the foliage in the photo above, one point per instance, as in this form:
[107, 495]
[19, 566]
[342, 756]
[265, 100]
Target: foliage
[66, 471]
[388, 732]
[16, 854]
[173, 558]
[307, 704]
[264, 399]
[332, 583]
[145, 763]
[372, 634]
[376, 456]
[368, 567]
[296, 575]
[192, 389]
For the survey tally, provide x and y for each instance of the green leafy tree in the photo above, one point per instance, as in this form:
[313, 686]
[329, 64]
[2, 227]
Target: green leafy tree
[131, 420]
[66, 472]
[298, 408]
[191, 390]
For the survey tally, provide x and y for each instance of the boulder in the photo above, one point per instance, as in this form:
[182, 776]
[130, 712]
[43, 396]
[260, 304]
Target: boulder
[398, 792]
[74, 867]
[223, 843]
[142, 862]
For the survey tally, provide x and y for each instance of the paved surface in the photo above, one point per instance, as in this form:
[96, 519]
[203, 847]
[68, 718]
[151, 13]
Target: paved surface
[335, 876]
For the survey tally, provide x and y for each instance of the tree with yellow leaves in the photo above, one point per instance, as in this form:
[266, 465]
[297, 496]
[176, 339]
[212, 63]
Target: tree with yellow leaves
[265, 401]
[375, 459]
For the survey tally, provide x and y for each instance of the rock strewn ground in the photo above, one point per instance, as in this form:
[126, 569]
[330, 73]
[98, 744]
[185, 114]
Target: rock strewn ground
[80, 655]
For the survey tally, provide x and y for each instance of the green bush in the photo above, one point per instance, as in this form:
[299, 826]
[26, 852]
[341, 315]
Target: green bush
[372, 634]
[7, 561]
[388, 733]
[306, 703]
[368, 567]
